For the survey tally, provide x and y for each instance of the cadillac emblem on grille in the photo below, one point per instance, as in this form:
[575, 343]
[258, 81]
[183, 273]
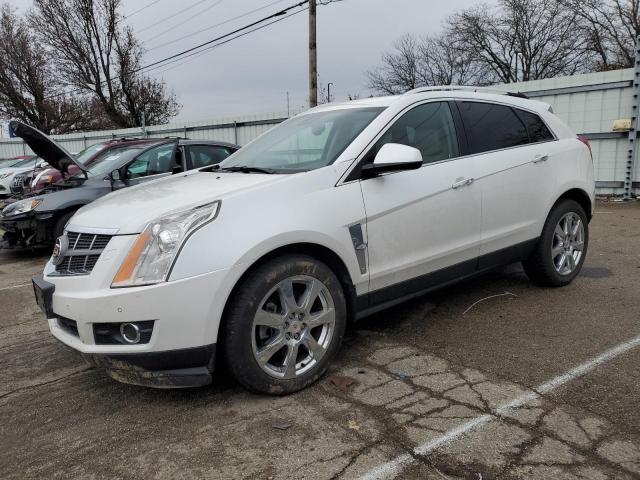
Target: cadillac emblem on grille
[60, 249]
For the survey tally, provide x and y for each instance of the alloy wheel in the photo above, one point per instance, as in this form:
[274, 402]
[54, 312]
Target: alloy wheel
[293, 327]
[568, 243]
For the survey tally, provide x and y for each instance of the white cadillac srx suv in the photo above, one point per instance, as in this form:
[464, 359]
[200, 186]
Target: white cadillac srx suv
[332, 215]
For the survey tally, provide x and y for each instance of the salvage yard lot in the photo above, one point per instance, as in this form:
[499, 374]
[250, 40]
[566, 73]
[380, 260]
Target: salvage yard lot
[412, 376]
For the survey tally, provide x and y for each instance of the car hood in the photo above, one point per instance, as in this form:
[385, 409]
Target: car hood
[129, 210]
[44, 147]
[13, 171]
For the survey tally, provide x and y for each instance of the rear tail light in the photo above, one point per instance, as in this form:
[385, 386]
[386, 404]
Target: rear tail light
[585, 140]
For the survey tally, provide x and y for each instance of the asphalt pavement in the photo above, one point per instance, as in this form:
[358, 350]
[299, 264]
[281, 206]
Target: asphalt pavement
[492, 378]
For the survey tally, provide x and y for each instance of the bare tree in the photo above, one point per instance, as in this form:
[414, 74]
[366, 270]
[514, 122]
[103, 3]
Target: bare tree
[444, 63]
[97, 55]
[611, 28]
[538, 38]
[425, 61]
[399, 70]
[29, 88]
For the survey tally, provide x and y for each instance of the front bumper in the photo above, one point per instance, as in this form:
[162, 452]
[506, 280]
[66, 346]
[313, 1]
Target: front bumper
[29, 229]
[192, 367]
[185, 315]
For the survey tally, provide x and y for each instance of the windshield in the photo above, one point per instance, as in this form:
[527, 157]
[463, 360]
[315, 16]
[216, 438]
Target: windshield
[111, 160]
[85, 155]
[305, 142]
[29, 162]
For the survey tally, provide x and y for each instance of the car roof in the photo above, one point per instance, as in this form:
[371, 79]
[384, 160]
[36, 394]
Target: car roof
[209, 142]
[444, 92]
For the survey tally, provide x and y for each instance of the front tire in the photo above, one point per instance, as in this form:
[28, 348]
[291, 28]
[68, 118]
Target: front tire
[562, 247]
[284, 325]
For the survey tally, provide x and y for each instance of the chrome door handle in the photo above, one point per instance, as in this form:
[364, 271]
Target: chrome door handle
[540, 158]
[462, 183]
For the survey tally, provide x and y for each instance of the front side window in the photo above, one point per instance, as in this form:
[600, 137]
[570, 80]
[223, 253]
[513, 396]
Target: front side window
[154, 161]
[305, 142]
[538, 131]
[429, 128]
[492, 127]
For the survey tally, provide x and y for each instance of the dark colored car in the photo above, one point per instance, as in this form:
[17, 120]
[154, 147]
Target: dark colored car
[38, 219]
[41, 177]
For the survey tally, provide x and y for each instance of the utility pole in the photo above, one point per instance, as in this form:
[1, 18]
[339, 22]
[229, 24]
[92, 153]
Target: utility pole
[288, 106]
[329, 92]
[313, 56]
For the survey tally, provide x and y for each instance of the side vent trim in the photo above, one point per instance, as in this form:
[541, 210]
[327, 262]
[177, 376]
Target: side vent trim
[359, 246]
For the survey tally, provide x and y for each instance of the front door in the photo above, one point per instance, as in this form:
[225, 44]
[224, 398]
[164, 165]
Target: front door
[154, 163]
[423, 226]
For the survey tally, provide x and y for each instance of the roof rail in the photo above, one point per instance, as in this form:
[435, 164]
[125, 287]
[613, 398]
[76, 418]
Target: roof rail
[464, 88]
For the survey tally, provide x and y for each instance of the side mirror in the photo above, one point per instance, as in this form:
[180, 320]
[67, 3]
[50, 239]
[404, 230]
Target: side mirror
[116, 179]
[393, 157]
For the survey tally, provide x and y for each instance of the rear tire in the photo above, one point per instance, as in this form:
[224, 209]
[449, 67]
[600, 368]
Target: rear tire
[562, 247]
[284, 325]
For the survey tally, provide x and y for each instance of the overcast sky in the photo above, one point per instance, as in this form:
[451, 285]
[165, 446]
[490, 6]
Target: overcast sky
[252, 74]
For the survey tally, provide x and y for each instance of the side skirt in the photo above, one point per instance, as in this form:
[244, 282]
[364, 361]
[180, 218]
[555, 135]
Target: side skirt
[415, 287]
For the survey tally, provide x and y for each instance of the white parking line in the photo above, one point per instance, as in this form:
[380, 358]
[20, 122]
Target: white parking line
[15, 286]
[395, 466]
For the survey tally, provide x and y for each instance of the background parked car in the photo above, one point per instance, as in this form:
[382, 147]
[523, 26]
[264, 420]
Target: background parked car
[46, 176]
[10, 162]
[7, 174]
[39, 219]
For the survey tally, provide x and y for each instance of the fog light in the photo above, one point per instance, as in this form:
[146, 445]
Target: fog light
[130, 332]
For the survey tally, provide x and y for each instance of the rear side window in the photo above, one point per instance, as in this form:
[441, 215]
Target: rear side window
[538, 131]
[492, 127]
[428, 127]
[205, 155]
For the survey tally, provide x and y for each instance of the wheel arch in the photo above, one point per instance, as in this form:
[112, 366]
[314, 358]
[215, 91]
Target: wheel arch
[579, 196]
[314, 250]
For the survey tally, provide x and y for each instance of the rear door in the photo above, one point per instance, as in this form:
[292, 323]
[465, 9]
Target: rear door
[199, 156]
[423, 226]
[513, 150]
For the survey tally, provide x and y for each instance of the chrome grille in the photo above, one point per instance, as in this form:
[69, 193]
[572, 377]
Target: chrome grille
[82, 254]
[17, 184]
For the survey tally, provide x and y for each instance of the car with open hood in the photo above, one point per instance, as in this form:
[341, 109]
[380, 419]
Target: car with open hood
[39, 219]
[40, 178]
[332, 215]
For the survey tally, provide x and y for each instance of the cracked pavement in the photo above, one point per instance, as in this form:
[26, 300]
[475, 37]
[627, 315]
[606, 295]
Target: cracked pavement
[406, 377]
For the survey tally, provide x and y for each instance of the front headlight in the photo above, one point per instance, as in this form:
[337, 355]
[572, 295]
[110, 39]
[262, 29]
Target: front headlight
[23, 206]
[152, 254]
[43, 179]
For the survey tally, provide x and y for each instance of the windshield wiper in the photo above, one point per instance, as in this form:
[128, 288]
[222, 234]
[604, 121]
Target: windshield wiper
[247, 169]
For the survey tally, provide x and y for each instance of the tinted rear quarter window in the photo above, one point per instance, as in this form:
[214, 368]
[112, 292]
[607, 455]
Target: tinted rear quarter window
[205, 155]
[538, 131]
[492, 127]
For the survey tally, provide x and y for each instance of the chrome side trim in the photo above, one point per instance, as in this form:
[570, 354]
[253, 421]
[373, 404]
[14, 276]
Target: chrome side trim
[359, 245]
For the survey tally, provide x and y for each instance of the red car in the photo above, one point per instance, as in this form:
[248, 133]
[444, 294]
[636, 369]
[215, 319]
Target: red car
[42, 177]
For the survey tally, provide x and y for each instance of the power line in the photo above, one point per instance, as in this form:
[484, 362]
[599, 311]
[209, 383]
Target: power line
[194, 55]
[246, 27]
[141, 9]
[173, 15]
[192, 51]
[214, 26]
[185, 20]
